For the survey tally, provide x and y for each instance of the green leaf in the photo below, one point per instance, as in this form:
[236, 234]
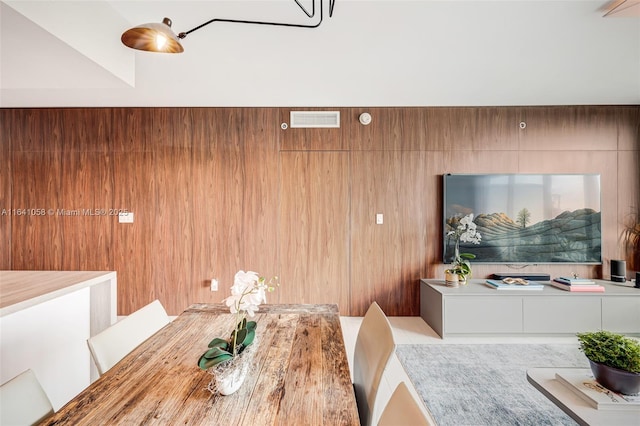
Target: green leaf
[612, 349]
[467, 255]
[206, 363]
[249, 338]
[214, 352]
[251, 325]
[218, 343]
[242, 334]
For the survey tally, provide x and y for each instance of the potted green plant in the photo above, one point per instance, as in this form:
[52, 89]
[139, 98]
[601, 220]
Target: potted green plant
[614, 360]
[461, 229]
[227, 359]
[460, 269]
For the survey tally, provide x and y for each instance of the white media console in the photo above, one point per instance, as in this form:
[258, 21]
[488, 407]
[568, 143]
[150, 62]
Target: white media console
[476, 309]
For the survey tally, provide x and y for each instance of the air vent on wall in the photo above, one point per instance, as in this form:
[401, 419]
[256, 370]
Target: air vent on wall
[314, 119]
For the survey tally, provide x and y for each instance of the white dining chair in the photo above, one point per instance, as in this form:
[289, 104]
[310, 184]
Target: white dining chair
[374, 346]
[111, 345]
[403, 410]
[23, 401]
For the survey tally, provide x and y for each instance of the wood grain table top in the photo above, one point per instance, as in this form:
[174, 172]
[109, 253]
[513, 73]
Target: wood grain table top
[300, 375]
[22, 289]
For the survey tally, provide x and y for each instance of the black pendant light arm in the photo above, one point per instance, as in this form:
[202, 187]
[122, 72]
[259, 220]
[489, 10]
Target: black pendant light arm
[279, 24]
[238, 21]
[313, 8]
[159, 37]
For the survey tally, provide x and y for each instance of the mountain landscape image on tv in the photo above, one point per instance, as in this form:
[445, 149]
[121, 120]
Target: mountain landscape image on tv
[526, 218]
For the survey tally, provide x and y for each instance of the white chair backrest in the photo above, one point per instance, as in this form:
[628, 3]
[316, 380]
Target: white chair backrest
[23, 401]
[111, 345]
[403, 410]
[374, 346]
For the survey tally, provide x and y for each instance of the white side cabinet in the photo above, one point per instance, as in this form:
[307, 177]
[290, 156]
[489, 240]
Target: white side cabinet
[478, 309]
[46, 318]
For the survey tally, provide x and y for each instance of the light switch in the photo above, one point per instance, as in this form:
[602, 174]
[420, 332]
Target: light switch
[125, 217]
[379, 219]
[214, 285]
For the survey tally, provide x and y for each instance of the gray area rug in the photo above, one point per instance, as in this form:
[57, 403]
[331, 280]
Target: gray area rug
[487, 384]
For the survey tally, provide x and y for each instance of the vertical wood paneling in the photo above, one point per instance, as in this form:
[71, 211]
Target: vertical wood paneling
[133, 243]
[437, 126]
[91, 131]
[388, 260]
[37, 144]
[214, 190]
[87, 178]
[628, 181]
[39, 130]
[209, 128]
[484, 129]
[394, 129]
[261, 195]
[406, 128]
[314, 228]
[230, 174]
[236, 198]
[628, 128]
[131, 130]
[88, 181]
[8, 133]
[174, 228]
[133, 249]
[38, 240]
[563, 128]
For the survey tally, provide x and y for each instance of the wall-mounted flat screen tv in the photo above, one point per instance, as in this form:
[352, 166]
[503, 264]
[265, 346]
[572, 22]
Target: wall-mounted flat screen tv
[526, 218]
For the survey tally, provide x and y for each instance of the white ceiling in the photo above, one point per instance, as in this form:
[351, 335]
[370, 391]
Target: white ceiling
[370, 53]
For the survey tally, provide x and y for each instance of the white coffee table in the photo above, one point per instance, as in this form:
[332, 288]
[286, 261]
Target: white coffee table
[544, 379]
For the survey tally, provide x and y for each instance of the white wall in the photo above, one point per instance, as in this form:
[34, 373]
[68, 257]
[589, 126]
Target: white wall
[370, 53]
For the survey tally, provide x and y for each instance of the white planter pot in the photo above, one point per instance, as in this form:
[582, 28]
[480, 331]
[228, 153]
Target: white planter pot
[229, 376]
[229, 380]
[451, 279]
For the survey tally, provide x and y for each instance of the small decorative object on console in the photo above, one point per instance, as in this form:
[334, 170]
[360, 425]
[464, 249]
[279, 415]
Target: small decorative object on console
[575, 280]
[618, 271]
[536, 276]
[576, 284]
[514, 284]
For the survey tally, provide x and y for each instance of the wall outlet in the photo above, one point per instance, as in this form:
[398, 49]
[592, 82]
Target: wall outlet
[214, 285]
[379, 219]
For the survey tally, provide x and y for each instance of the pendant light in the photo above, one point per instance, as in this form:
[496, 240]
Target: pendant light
[153, 37]
[159, 37]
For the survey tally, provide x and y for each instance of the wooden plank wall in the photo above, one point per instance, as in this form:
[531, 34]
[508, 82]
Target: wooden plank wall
[214, 190]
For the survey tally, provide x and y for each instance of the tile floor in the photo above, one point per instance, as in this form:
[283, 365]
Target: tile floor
[413, 330]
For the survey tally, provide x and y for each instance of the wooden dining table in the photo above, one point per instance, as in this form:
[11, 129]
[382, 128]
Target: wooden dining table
[300, 375]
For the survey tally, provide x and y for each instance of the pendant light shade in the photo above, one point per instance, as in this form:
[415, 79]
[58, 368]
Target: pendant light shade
[153, 37]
